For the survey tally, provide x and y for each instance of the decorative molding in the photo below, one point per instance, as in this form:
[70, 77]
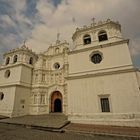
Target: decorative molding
[99, 46]
[124, 66]
[16, 65]
[46, 86]
[100, 74]
[15, 85]
[21, 49]
[94, 26]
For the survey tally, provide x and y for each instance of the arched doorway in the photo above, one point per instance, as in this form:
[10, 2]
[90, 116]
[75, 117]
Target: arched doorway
[57, 105]
[56, 102]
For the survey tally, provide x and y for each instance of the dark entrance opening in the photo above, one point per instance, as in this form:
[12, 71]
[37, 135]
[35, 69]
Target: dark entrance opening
[57, 105]
[56, 102]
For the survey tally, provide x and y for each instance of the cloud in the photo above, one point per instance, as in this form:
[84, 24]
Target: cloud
[60, 17]
[135, 47]
[39, 21]
[7, 43]
[14, 22]
[7, 21]
[56, 2]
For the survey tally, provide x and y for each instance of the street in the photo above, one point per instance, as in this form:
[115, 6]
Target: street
[15, 132]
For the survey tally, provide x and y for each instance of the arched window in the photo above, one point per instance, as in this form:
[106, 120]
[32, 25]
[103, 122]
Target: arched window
[31, 60]
[102, 36]
[56, 50]
[1, 95]
[7, 73]
[15, 59]
[87, 39]
[7, 60]
[36, 77]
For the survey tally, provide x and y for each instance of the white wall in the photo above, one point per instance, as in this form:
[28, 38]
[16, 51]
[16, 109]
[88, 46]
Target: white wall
[123, 91]
[138, 77]
[26, 75]
[114, 56]
[15, 74]
[6, 105]
[21, 104]
[13, 94]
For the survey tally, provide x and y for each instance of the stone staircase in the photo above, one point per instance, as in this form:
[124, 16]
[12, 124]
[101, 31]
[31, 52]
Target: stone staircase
[49, 121]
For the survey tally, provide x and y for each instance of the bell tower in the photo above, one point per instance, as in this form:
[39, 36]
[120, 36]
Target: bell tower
[99, 46]
[16, 80]
[99, 33]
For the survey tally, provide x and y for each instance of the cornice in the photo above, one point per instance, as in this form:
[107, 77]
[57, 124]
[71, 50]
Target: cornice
[39, 86]
[52, 56]
[101, 74]
[46, 70]
[105, 69]
[15, 85]
[46, 86]
[99, 46]
[22, 49]
[15, 65]
[61, 85]
[55, 55]
[38, 105]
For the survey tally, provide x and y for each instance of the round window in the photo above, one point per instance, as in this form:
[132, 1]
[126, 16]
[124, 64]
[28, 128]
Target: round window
[56, 65]
[7, 74]
[96, 58]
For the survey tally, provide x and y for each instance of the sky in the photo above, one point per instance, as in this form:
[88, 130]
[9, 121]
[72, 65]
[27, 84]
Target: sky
[38, 21]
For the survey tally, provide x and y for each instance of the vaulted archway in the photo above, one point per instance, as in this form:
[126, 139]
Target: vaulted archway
[56, 102]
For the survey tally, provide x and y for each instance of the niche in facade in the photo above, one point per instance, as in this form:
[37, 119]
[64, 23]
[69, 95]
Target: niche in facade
[7, 74]
[7, 60]
[1, 96]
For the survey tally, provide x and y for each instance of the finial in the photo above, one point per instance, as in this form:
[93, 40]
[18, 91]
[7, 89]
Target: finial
[57, 40]
[73, 19]
[93, 19]
[24, 42]
[58, 35]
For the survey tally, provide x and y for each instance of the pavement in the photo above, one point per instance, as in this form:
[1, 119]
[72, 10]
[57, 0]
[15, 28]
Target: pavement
[59, 123]
[49, 122]
[103, 129]
[3, 117]
[17, 132]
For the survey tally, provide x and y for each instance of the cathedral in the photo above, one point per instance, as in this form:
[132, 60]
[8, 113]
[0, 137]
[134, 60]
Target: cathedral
[94, 83]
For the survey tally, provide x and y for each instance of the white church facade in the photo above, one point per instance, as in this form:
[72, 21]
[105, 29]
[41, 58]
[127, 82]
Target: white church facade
[94, 83]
